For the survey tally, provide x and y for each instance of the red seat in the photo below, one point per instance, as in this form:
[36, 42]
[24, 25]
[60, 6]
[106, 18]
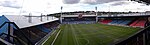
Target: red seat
[141, 23]
[134, 23]
[138, 23]
[105, 21]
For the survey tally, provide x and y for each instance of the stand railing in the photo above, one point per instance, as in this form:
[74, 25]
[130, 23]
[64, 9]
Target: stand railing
[140, 38]
[17, 28]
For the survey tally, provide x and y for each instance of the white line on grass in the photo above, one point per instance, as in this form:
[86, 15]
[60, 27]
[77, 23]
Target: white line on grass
[84, 38]
[55, 37]
[87, 41]
[74, 35]
[51, 34]
[49, 37]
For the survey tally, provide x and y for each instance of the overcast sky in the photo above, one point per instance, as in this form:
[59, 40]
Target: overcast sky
[24, 7]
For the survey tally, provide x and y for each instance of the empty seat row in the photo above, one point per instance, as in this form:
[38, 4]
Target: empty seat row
[78, 22]
[138, 23]
[125, 22]
[106, 21]
[42, 28]
[35, 33]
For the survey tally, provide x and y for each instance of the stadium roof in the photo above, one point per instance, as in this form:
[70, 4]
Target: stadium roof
[78, 15]
[141, 14]
[142, 1]
[23, 22]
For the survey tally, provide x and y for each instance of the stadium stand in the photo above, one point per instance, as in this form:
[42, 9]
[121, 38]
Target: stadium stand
[125, 22]
[51, 26]
[42, 28]
[23, 32]
[54, 25]
[78, 21]
[121, 22]
[113, 22]
[35, 33]
[118, 22]
[141, 23]
[138, 23]
[134, 23]
[106, 21]
[38, 32]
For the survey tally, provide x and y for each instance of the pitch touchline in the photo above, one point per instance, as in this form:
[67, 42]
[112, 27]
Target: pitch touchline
[56, 37]
[48, 37]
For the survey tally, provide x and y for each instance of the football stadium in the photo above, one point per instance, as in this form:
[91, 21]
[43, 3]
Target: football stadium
[77, 28]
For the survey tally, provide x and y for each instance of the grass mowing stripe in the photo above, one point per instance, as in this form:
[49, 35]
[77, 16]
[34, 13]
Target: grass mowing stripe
[64, 36]
[73, 36]
[71, 39]
[49, 38]
[56, 37]
[122, 34]
[91, 29]
[77, 27]
[92, 34]
[102, 31]
[57, 42]
[114, 31]
[72, 28]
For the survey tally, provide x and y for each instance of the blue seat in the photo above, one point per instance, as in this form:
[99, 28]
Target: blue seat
[125, 22]
[113, 22]
[42, 28]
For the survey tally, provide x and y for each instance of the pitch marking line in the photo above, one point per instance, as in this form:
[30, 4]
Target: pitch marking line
[56, 37]
[48, 37]
[84, 38]
[74, 35]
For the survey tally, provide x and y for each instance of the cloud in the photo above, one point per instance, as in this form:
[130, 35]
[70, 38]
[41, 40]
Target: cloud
[99, 1]
[120, 3]
[71, 1]
[128, 6]
[10, 4]
[36, 7]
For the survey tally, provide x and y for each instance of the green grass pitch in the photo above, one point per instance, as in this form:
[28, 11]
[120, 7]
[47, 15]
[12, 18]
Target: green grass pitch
[90, 34]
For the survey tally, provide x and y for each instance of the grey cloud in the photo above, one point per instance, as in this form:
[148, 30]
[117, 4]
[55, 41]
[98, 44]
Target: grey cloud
[120, 3]
[99, 1]
[11, 4]
[126, 3]
[71, 1]
[24, 11]
[7, 12]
